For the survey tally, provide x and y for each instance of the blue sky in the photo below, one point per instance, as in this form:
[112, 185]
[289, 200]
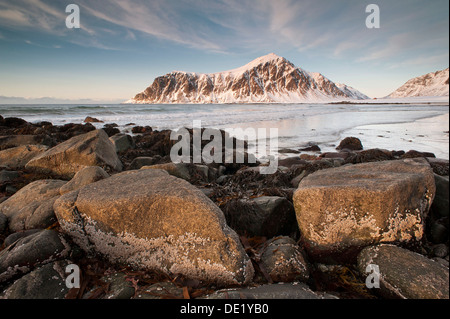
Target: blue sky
[123, 45]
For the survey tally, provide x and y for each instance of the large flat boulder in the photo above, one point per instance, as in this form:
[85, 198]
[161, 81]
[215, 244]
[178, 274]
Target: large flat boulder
[66, 159]
[341, 210]
[151, 220]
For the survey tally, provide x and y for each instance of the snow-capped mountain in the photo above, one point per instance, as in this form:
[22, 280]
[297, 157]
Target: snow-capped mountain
[268, 79]
[431, 84]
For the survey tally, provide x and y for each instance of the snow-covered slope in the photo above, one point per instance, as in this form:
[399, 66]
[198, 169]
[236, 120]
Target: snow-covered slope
[267, 79]
[431, 84]
[352, 92]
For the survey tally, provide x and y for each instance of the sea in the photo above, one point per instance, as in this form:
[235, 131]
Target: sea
[421, 127]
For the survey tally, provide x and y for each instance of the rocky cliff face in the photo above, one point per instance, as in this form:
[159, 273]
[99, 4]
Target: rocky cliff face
[431, 84]
[267, 79]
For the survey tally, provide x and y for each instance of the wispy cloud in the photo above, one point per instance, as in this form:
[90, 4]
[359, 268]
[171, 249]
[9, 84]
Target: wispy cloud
[331, 28]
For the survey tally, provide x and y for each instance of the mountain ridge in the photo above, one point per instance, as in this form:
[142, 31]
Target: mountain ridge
[430, 84]
[267, 79]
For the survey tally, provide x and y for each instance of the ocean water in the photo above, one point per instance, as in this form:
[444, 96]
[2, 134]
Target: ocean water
[390, 126]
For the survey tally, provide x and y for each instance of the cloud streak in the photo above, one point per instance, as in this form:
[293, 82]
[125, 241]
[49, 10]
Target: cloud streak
[329, 28]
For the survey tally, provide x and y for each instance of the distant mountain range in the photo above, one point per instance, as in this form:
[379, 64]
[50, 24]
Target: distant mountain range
[431, 84]
[268, 79]
[51, 100]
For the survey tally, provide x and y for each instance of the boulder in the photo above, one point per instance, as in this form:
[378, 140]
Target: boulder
[90, 119]
[10, 141]
[18, 157]
[32, 206]
[341, 210]
[84, 177]
[405, 274]
[122, 142]
[283, 260]
[350, 143]
[30, 252]
[278, 216]
[440, 166]
[45, 282]
[21, 234]
[267, 216]
[66, 159]
[441, 200]
[153, 221]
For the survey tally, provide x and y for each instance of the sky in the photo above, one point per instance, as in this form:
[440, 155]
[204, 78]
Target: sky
[122, 45]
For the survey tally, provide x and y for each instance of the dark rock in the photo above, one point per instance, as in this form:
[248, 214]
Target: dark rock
[332, 155]
[288, 162]
[296, 180]
[367, 156]
[405, 274]
[267, 216]
[90, 119]
[30, 252]
[283, 260]
[140, 162]
[8, 176]
[122, 142]
[350, 143]
[141, 129]
[111, 130]
[439, 166]
[278, 216]
[45, 282]
[440, 250]
[441, 200]
[119, 286]
[18, 235]
[398, 154]
[439, 232]
[14, 122]
[288, 150]
[311, 148]
[415, 154]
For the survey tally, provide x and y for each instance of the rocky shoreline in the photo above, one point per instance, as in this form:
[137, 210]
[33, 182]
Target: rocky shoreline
[139, 226]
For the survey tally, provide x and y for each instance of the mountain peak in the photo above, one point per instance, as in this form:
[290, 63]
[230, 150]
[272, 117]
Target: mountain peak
[268, 58]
